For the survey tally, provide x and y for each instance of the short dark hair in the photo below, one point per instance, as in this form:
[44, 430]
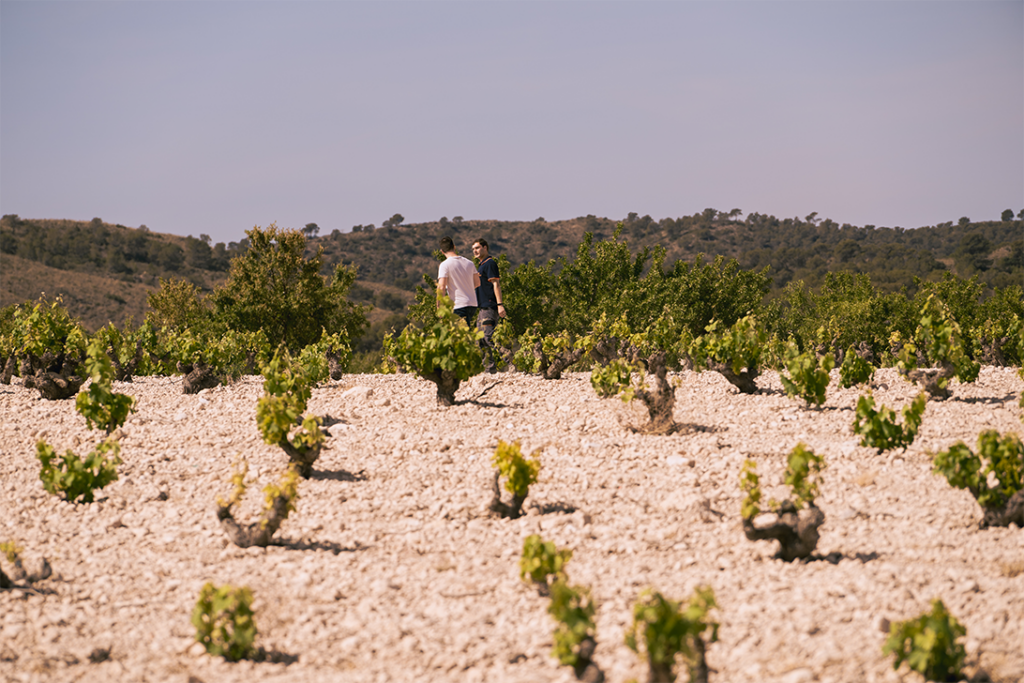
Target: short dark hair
[446, 244]
[483, 243]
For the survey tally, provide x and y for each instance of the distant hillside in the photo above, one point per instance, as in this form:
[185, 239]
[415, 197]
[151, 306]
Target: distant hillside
[795, 249]
[104, 271]
[93, 299]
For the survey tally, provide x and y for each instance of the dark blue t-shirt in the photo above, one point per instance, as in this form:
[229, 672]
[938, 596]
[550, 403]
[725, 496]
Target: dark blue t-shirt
[485, 292]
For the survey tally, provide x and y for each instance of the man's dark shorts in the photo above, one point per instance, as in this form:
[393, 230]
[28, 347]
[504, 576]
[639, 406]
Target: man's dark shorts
[467, 313]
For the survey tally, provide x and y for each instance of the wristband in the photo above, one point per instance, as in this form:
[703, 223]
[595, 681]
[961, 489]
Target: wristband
[501, 304]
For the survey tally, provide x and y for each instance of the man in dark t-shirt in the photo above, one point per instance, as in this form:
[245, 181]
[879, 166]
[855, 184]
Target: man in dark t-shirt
[489, 300]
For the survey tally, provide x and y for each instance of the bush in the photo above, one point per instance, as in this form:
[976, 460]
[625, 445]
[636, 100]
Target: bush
[178, 305]
[447, 352]
[287, 388]
[798, 518]
[575, 635]
[329, 357]
[855, 369]
[734, 353]
[808, 375]
[519, 472]
[45, 346]
[937, 341]
[611, 379]
[999, 461]
[878, 428]
[129, 349]
[100, 406]
[224, 621]
[76, 479]
[541, 559]
[273, 287]
[661, 630]
[929, 644]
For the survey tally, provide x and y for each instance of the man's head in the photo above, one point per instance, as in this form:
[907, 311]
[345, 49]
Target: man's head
[480, 249]
[447, 246]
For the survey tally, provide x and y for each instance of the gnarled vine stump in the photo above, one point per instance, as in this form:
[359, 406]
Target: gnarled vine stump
[258, 533]
[744, 380]
[198, 376]
[796, 531]
[499, 507]
[1013, 511]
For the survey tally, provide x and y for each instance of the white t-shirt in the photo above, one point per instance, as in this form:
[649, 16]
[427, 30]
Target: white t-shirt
[459, 271]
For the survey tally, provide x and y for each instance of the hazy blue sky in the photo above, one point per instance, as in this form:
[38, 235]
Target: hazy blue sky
[211, 117]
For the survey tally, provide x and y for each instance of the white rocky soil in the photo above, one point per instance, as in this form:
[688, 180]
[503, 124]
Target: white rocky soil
[390, 568]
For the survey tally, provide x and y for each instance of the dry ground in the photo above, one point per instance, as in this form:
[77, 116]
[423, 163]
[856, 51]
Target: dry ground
[390, 568]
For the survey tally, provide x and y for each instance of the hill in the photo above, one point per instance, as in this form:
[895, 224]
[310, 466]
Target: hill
[104, 271]
[795, 249]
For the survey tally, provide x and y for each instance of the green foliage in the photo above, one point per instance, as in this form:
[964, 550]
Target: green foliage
[878, 428]
[989, 336]
[542, 559]
[738, 347]
[41, 330]
[76, 479]
[939, 339]
[573, 609]
[131, 347]
[177, 305]
[605, 278]
[750, 484]
[448, 344]
[313, 358]
[273, 287]
[100, 406]
[230, 353]
[287, 387]
[855, 370]
[846, 310]
[224, 621]
[808, 375]
[287, 490]
[11, 550]
[803, 475]
[929, 644]
[519, 472]
[1000, 459]
[278, 502]
[524, 359]
[611, 379]
[662, 629]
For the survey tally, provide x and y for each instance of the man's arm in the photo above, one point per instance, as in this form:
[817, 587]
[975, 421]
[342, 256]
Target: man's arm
[498, 297]
[476, 279]
[442, 285]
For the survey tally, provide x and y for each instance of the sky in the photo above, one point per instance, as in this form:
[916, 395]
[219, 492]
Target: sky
[211, 117]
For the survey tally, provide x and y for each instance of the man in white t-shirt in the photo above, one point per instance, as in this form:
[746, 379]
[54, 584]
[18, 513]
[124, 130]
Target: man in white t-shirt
[457, 278]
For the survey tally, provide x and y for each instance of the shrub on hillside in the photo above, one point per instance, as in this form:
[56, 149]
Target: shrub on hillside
[275, 289]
